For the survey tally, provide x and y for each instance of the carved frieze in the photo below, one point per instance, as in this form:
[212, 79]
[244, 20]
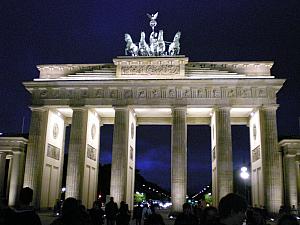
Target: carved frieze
[155, 92]
[214, 154]
[99, 93]
[150, 70]
[131, 153]
[53, 152]
[142, 93]
[127, 93]
[186, 93]
[91, 153]
[255, 154]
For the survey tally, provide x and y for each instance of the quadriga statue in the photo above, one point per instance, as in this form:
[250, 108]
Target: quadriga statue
[174, 47]
[131, 48]
[144, 49]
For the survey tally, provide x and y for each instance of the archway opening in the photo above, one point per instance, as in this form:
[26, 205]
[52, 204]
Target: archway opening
[241, 158]
[153, 161]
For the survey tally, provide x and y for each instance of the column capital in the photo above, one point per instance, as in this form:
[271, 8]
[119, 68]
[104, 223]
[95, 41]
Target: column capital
[124, 108]
[220, 107]
[9, 155]
[179, 108]
[290, 152]
[3, 153]
[78, 108]
[39, 108]
[17, 153]
[121, 107]
[269, 107]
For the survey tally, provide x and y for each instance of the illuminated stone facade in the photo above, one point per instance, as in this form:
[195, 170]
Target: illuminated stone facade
[12, 151]
[291, 169]
[150, 90]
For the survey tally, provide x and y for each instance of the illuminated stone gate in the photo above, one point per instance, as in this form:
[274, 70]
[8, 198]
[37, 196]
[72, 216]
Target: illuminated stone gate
[150, 90]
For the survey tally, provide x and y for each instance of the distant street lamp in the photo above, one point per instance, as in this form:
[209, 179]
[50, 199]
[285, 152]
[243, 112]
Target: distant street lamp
[244, 173]
[245, 176]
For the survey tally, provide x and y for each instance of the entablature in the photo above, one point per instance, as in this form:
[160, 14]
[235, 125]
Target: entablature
[160, 67]
[198, 91]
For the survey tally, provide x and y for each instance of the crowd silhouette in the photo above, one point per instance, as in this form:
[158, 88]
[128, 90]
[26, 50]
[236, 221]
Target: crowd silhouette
[232, 210]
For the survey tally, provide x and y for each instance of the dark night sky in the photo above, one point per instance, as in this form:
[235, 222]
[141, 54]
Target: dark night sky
[81, 31]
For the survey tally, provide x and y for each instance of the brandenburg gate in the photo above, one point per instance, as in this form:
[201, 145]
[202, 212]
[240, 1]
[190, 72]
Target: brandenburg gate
[152, 85]
[150, 90]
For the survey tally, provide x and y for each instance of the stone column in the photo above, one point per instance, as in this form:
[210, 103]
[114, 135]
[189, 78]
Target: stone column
[9, 157]
[271, 159]
[76, 156]
[222, 175]
[298, 180]
[16, 177]
[179, 159]
[123, 156]
[290, 179]
[35, 152]
[2, 172]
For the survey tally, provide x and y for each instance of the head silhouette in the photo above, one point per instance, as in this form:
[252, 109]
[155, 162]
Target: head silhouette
[26, 195]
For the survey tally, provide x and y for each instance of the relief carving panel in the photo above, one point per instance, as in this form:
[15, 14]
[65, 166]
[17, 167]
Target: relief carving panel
[255, 154]
[91, 153]
[53, 152]
[150, 70]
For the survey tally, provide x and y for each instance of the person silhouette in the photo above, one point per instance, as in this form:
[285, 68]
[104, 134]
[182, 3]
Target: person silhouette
[111, 210]
[232, 209]
[24, 214]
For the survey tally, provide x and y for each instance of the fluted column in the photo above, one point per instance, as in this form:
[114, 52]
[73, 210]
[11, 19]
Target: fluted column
[123, 155]
[179, 159]
[271, 159]
[77, 146]
[290, 178]
[222, 174]
[119, 155]
[2, 172]
[9, 157]
[35, 152]
[16, 177]
[298, 180]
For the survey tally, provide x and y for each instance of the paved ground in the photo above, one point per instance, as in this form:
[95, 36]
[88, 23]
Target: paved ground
[47, 217]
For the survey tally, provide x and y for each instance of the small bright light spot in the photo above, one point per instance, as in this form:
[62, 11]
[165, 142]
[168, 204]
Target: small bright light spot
[207, 186]
[244, 169]
[207, 205]
[244, 174]
[171, 217]
[209, 193]
[143, 185]
[271, 219]
[57, 214]
[1, 133]
[298, 218]
[63, 189]
[149, 188]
